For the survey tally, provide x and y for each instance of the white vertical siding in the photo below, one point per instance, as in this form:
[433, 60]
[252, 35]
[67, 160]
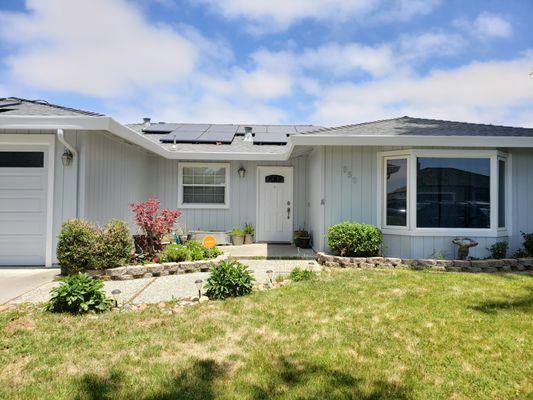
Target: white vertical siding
[315, 189]
[354, 198]
[243, 194]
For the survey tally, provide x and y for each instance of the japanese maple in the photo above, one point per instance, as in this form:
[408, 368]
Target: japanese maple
[153, 222]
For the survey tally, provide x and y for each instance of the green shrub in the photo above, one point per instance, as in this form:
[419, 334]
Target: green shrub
[196, 250]
[352, 239]
[237, 232]
[78, 294]
[175, 253]
[229, 279]
[498, 250]
[528, 243]
[213, 252]
[298, 274]
[248, 229]
[76, 247]
[114, 245]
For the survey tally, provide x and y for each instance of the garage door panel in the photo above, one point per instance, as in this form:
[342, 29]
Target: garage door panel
[23, 208]
[22, 181]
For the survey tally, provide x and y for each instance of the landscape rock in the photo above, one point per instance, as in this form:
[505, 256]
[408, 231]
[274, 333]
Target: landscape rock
[116, 271]
[125, 277]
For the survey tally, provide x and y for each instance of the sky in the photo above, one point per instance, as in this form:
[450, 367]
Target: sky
[323, 62]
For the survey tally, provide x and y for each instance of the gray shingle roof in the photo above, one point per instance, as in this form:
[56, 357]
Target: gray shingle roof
[423, 127]
[18, 106]
[238, 145]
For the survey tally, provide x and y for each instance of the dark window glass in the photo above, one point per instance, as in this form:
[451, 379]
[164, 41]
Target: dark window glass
[203, 194]
[21, 159]
[397, 192]
[501, 193]
[274, 179]
[453, 193]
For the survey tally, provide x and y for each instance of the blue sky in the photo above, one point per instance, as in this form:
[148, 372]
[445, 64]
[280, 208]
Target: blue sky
[327, 62]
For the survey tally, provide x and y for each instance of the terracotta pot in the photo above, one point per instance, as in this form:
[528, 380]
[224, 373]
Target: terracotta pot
[248, 238]
[237, 240]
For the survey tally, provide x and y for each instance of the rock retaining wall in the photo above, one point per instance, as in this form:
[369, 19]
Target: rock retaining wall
[503, 265]
[149, 270]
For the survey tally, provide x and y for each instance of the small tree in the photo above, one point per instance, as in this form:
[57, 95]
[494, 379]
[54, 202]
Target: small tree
[154, 223]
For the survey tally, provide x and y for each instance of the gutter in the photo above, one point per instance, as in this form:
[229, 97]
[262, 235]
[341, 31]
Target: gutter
[75, 155]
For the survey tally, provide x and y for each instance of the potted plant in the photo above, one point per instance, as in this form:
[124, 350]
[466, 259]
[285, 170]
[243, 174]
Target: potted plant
[302, 239]
[237, 237]
[182, 233]
[248, 233]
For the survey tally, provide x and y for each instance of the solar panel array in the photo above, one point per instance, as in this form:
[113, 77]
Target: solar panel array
[224, 134]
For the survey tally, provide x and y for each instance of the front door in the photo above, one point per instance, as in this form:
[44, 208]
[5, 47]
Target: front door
[275, 204]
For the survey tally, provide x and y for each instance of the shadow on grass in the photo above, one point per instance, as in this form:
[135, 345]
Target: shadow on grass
[287, 379]
[301, 380]
[523, 304]
[194, 383]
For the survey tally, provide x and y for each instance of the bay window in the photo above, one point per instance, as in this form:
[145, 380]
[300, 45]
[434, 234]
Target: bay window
[455, 192]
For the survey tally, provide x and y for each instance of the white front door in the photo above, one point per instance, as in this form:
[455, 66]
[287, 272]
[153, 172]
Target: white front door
[275, 204]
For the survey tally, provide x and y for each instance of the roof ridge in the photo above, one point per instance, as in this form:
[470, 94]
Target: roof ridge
[467, 123]
[46, 103]
[333, 128]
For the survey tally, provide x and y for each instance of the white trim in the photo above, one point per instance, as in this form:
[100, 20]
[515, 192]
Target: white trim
[274, 169]
[412, 229]
[47, 140]
[200, 206]
[95, 123]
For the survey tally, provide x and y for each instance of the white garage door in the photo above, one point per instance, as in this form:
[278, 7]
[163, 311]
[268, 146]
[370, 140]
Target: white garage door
[23, 205]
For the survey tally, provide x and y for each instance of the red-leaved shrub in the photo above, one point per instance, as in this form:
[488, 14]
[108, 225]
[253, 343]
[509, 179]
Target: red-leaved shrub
[153, 222]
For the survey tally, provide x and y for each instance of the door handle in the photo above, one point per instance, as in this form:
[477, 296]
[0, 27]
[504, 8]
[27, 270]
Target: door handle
[288, 213]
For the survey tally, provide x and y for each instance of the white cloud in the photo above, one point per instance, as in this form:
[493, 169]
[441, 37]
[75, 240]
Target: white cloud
[277, 15]
[430, 44]
[478, 92]
[101, 48]
[487, 25]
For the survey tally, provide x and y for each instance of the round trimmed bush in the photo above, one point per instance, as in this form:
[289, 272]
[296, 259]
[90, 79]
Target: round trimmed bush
[229, 279]
[115, 245]
[353, 239]
[76, 246]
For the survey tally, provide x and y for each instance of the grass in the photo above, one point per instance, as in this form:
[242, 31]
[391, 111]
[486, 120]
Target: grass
[365, 334]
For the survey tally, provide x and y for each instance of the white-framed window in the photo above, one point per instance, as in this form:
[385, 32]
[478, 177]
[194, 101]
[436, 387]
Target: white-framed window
[203, 185]
[444, 192]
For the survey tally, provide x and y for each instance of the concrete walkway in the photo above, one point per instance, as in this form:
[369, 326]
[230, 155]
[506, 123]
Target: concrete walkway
[268, 250]
[166, 288]
[15, 282]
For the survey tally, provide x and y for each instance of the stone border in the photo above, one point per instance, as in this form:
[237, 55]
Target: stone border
[149, 270]
[489, 265]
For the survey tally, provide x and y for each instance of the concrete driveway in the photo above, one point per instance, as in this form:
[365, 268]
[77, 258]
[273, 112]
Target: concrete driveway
[15, 282]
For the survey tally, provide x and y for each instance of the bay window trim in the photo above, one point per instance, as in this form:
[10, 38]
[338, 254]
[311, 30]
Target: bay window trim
[199, 206]
[411, 229]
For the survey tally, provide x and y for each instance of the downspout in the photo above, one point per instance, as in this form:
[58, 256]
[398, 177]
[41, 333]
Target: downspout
[75, 155]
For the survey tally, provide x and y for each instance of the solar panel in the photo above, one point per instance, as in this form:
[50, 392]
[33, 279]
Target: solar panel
[181, 137]
[193, 127]
[216, 137]
[7, 103]
[255, 128]
[160, 128]
[270, 138]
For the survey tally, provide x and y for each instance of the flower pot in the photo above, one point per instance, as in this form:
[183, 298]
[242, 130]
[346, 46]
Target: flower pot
[248, 238]
[237, 240]
[303, 242]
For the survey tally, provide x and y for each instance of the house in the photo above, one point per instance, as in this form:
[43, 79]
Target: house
[422, 182]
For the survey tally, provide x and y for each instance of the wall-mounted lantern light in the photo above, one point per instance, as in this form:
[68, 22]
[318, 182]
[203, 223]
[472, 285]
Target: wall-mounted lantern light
[241, 171]
[66, 158]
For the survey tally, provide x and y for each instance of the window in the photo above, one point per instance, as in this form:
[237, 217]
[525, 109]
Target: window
[396, 191]
[274, 179]
[502, 170]
[203, 185]
[21, 159]
[452, 192]
[436, 192]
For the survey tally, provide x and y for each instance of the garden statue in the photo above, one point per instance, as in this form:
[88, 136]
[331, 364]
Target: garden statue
[464, 247]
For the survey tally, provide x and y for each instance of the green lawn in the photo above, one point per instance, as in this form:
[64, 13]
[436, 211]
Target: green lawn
[364, 334]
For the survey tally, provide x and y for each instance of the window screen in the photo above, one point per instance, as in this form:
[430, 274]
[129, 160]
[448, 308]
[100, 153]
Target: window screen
[204, 185]
[396, 186]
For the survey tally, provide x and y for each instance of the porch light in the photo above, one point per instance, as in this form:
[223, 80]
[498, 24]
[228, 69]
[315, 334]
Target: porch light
[270, 273]
[115, 294]
[199, 283]
[242, 172]
[66, 158]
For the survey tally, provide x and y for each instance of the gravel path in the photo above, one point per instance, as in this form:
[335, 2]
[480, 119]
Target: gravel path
[165, 288]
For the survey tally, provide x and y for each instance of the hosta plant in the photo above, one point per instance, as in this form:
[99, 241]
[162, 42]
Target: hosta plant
[78, 294]
[229, 279]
